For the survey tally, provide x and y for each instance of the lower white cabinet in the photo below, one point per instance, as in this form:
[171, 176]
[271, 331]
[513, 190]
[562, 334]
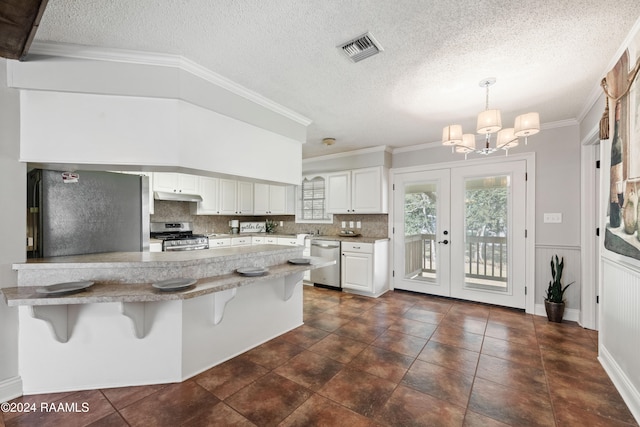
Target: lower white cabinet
[219, 243]
[271, 240]
[291, 241]
[240, 241]
[365, 267]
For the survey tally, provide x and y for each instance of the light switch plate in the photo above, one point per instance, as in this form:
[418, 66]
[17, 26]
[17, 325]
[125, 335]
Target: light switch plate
[552, 218]
[350, 224]
[358, 224]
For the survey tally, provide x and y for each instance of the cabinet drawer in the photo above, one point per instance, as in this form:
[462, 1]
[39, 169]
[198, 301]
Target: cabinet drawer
[271, 240]
[287, 241]
[257, 240]
[219, 243]
[239, 241]
[365, 248]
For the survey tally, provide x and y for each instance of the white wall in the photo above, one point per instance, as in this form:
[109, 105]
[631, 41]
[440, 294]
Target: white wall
[90, 129]
[13, 176]
[619, 292]
[365, 158]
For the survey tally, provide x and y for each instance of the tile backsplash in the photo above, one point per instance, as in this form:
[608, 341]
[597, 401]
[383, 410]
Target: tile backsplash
[375, 225]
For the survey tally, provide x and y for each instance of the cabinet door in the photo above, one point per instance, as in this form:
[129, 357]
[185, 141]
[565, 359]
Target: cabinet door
[245, 198]
[366, 191]
[187, 183]
[208, 189]
[339, 192]
[260, 199]
[219, 243]
[277, 200]
[357, 271]
[228, 197]
[165, 181]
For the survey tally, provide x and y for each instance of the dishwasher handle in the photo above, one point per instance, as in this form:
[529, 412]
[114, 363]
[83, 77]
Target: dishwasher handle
[326, 246]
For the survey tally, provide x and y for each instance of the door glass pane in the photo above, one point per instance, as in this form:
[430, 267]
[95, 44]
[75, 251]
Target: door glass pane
[486, 233]
[420, 226]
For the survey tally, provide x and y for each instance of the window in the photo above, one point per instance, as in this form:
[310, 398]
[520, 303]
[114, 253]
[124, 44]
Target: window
[312, 201]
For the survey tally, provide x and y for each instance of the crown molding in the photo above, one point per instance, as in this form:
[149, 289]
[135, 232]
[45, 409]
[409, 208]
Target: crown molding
[162, 60]
[347, 154]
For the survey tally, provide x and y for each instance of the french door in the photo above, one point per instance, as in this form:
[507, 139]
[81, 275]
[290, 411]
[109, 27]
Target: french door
[460, 232]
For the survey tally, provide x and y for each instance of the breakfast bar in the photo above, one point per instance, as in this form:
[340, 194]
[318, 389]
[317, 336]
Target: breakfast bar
[123, 329]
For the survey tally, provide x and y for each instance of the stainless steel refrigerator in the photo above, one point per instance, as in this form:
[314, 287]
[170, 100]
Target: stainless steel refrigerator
[84, 212]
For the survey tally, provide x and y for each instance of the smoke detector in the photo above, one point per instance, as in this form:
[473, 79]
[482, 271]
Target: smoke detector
[361, 47]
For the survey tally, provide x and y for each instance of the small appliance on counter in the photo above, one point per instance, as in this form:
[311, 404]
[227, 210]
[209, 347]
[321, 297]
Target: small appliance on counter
[235, 226]
[178, 236]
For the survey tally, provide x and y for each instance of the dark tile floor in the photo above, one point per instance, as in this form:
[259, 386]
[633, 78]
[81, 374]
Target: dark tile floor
[400, 360]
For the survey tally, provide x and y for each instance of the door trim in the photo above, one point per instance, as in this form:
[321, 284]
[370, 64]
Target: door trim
[530, 184]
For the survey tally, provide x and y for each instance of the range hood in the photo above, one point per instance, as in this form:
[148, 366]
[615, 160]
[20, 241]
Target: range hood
[176, 197]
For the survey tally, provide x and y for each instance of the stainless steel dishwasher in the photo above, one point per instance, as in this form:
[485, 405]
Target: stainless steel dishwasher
[327, 276]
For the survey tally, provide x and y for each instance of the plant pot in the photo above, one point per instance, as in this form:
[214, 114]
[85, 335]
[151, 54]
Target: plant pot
[555, 310]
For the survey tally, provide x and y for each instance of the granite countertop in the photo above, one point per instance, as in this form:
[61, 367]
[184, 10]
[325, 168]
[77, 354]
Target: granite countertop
[105, 291]
[148, 259]
[356, 239]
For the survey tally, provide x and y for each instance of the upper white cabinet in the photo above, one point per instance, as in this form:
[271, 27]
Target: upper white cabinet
[357, 191]
[224, 197]
[208, 188]
[175, 182]
[245, 197]
[273, 199]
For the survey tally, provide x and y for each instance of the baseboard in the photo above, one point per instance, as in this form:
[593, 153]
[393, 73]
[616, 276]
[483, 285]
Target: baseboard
[10, 389]
[570, 314]
[629, 393]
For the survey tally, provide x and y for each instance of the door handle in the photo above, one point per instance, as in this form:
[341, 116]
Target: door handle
[444, 242]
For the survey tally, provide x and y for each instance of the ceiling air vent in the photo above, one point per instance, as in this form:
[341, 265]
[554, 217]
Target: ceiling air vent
[361, 47]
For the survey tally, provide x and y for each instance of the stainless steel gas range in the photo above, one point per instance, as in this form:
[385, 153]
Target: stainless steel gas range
[178, 236]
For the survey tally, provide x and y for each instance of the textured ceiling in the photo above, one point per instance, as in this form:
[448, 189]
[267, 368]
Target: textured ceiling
[547, 56]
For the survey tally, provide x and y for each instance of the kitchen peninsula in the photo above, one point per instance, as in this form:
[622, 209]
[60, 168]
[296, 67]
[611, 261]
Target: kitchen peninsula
[122, 331]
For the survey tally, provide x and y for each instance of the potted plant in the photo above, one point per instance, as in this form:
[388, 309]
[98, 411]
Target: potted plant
[270, 226]
[554, 302]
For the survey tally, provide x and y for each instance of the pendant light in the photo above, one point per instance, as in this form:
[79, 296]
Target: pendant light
[489, 122]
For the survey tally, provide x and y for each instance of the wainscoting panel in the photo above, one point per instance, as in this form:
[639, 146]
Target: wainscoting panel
[619, 330]
[571, 273]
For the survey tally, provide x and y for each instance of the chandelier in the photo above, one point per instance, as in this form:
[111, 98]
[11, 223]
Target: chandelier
[489, 122]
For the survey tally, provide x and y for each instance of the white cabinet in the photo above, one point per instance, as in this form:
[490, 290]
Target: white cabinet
[290, 241]
[208, 189]
[224, 197]
[219, 243]
[272, 199]
[357, 191]
[365, 267]
[245, 197]
[175, 182]
[240, 241]
[227, 197]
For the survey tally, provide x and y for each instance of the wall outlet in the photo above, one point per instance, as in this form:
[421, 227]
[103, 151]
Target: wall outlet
[358, 224]
[281, 223]
[344, 224]
[552, 218]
